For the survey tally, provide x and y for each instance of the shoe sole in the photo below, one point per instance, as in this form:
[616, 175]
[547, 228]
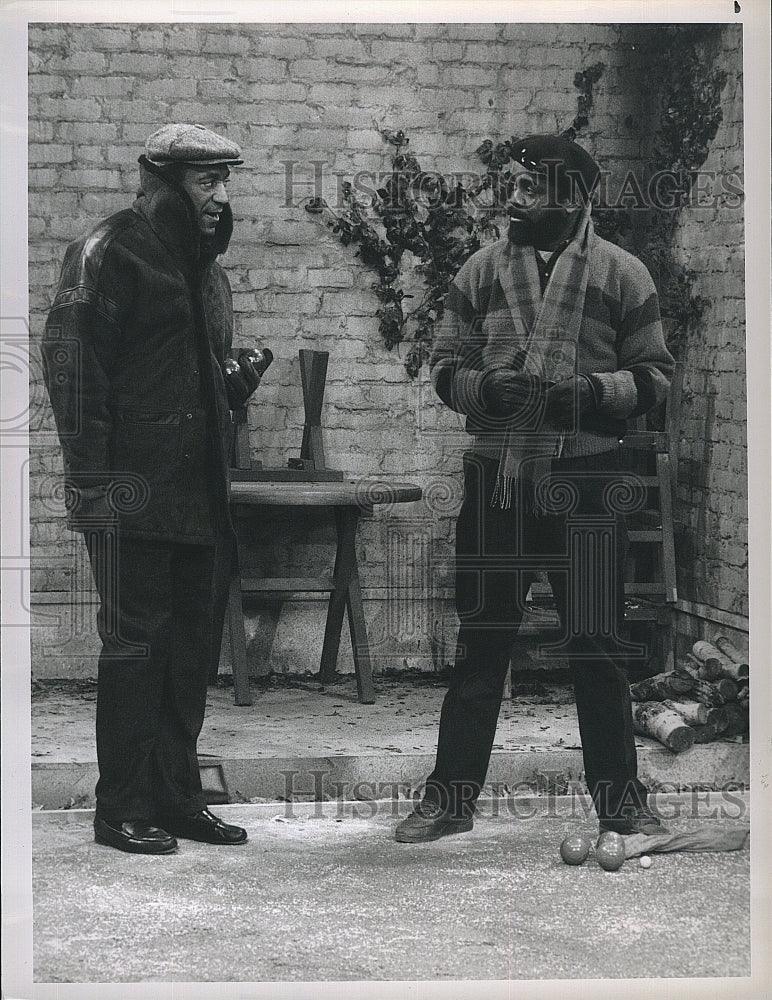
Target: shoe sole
[130, 848]
[214, 843]
[203, 837]
[447, 830]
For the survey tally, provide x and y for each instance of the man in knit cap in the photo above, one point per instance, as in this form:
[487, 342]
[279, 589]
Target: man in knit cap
[551, 340]
[134, 353]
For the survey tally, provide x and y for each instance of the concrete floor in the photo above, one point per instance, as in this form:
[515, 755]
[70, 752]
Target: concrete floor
[323, 895]
[322, 892]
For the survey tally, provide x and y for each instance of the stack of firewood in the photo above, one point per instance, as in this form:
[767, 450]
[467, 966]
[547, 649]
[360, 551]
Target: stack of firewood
[704, 698]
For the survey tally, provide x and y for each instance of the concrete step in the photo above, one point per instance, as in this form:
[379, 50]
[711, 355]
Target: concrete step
[300, 740]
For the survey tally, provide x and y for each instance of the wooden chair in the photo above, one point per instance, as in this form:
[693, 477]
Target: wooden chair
[650, 574]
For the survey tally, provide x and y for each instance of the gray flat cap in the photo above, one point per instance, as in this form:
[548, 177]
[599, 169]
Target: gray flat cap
[191, 144]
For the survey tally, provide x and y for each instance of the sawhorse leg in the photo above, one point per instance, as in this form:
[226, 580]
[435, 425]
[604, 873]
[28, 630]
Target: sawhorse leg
[347, 596]
[238, 643]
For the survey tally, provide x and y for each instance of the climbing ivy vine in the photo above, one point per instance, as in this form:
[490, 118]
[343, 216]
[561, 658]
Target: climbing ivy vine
[688, 118]
[417, 213]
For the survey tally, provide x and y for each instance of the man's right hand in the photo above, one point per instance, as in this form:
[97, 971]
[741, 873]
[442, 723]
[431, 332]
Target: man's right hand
[506, 392]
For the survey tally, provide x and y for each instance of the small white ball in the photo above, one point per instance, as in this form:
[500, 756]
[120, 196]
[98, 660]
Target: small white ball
[645, 861]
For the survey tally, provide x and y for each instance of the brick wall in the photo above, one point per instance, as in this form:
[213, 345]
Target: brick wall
[291, 95]
[711, 504]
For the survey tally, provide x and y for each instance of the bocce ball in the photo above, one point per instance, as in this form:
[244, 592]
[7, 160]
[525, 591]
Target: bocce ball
[645, 861]
[610, 851]
[574, 849]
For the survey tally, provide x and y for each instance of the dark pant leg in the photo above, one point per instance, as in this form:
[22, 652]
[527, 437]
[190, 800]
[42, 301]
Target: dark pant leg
[489, 597]
[178, 780]
[133, 578]
[599, 677]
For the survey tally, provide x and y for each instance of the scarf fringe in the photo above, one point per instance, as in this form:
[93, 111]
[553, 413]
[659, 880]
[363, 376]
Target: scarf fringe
[502, 494]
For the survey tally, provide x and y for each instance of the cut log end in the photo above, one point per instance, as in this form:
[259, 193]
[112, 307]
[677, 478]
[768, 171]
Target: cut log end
[658, 722]
[680, 739]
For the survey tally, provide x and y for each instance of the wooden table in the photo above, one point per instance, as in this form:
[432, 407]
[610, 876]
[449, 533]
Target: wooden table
[349, 500]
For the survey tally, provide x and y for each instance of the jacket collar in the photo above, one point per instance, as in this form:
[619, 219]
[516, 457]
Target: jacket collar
[169, 212]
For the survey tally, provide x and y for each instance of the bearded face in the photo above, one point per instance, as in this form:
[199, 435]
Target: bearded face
[537, 217]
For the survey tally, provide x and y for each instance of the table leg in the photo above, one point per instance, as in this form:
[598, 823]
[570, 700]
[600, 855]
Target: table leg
[347, 596]
[345, 557]
[359, 643]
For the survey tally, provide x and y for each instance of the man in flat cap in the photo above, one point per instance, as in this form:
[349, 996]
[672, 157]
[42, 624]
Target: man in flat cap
[134, 353]
[551, 340]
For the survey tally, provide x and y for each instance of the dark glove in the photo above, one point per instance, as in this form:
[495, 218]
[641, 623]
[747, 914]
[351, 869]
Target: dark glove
[506, 392]
[568, 400]
[242, 377]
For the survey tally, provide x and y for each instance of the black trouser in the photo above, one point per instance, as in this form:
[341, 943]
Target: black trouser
[155, 622]
[498, 552]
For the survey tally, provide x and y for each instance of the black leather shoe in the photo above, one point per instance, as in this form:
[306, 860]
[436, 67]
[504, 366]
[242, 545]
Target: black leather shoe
[133, 837]
[429, 821]
[642, 820]
[205, 827]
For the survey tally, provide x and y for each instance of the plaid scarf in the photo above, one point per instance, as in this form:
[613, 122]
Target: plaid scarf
[550, 324]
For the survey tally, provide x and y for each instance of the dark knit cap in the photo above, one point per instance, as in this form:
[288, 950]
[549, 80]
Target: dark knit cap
[559, 157]
[192, 144]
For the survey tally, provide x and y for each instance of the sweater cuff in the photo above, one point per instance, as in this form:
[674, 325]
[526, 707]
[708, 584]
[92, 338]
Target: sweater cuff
[616, 393]
[594, 388]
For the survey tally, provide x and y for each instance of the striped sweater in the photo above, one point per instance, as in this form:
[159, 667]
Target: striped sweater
[621, 345]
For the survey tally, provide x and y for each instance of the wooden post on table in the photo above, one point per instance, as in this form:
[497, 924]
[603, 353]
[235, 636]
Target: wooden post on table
[313, 374]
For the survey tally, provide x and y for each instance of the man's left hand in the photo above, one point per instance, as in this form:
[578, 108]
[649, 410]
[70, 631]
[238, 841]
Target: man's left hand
[568, 400]
[241, 381]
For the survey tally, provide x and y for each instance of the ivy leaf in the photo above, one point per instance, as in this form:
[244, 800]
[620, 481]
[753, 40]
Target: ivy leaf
[484, 151]
[315, 206]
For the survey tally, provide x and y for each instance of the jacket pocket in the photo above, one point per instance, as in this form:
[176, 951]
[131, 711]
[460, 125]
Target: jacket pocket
[147, 445]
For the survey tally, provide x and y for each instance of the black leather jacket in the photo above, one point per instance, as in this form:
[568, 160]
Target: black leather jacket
[132, 355]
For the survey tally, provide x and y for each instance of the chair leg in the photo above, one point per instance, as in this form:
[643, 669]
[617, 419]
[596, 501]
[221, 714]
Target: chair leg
[668, 543]
[241, 691]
